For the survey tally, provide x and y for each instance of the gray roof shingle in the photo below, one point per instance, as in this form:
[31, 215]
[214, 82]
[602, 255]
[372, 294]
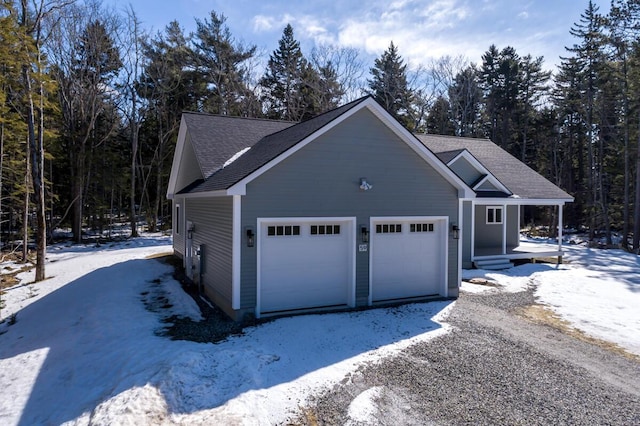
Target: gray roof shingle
[217, 138]
[521, 180]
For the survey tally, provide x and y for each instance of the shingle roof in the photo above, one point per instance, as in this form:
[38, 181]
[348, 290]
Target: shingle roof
[217, 138]
[264, 149]
[520, 179]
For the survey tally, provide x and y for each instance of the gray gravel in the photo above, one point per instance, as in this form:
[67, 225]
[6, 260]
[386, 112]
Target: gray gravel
[493, 369]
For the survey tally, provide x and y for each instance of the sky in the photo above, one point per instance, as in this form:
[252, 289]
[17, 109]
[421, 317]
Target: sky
[423, 30]
[84, 348]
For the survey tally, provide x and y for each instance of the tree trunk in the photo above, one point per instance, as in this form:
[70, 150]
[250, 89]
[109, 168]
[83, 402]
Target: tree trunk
[636, 212]
[25, 211]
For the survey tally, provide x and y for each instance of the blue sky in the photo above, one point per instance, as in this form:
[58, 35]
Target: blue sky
[422, 29]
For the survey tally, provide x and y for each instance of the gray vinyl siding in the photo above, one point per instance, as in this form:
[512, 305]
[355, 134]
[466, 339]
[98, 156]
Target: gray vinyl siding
[189, 169]
[488, 236]
[322, 179]
[466, 171]
[513, 231]
[212, 219]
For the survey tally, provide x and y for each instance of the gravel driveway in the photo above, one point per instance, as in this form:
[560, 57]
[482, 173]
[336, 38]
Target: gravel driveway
[495, 368]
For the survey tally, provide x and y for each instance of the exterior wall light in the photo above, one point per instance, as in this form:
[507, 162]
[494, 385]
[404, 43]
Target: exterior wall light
[364, 185]
[364, 233]
[251, 238]
[455, 232]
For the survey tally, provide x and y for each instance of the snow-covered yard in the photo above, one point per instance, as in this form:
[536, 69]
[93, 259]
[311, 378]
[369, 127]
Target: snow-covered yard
[84, 348]
[596, 291]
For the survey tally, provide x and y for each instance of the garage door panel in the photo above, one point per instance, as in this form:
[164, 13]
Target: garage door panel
[407, 262]
[306, 270]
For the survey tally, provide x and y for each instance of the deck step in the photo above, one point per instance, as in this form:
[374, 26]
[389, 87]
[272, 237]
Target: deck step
[493, 264]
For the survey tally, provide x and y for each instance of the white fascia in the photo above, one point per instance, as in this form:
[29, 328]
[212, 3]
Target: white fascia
[177, 159]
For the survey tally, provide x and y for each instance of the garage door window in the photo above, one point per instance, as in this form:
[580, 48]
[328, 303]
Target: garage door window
[324, 230]
[421, 227]
[388, 228]
[283, 230]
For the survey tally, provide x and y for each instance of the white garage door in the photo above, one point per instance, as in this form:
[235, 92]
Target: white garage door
[408, 257]
[305, 264]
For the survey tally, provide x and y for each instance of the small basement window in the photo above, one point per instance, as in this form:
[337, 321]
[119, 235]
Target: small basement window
[283, 230]
[494, 215]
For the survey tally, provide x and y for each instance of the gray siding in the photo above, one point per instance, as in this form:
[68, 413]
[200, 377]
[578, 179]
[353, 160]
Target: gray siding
[189, 169]
[488, 236]
[466, 171]
[513, 231]
[322, 179]
[212, 218]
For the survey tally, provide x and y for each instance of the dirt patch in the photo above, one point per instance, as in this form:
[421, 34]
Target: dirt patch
[541, 314]
[8, 274]
[482, 281]
[160, 255]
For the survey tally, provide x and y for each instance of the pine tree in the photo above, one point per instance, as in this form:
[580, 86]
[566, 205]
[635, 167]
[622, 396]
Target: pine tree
[221, 60]
[439, 120]
[388, 84]
[589, 57]
[168, 85]
[282, 79]
[465, 98]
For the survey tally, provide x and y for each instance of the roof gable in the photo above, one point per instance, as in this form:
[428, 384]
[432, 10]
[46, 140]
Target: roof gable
[215, 139]
[474, 173]
[519, 179]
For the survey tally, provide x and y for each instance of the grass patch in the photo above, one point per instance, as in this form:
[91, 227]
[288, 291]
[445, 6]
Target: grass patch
[541, 314]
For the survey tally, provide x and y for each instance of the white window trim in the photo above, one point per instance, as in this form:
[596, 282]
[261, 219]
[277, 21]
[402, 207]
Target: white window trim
[495, 208]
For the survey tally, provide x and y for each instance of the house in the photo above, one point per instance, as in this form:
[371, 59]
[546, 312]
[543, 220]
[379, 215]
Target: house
[344, 210]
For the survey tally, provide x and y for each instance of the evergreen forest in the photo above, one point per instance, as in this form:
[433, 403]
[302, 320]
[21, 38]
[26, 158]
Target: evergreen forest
[90, 106]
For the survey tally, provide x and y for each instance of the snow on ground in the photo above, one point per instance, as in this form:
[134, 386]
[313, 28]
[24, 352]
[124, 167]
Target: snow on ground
[597, 291]
[84, 349]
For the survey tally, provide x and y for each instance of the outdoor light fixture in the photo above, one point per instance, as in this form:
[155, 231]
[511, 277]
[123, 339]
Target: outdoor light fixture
[364, 232]
[250, 238]
[364, 185]
[455, 231]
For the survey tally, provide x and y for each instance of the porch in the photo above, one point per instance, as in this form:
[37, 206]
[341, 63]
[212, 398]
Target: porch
[489, 259]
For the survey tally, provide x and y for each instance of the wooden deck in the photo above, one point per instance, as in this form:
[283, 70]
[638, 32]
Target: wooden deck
[526, 250]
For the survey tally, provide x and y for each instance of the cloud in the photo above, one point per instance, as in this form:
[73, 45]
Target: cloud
[264, 23]
[523, 15]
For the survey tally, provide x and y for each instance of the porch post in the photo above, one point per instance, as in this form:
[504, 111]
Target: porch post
[560, 226]
[504, 229]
